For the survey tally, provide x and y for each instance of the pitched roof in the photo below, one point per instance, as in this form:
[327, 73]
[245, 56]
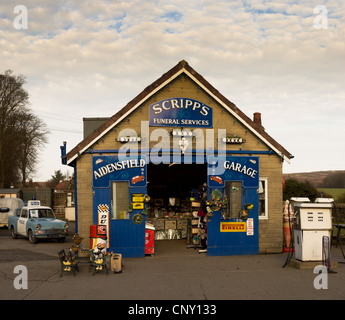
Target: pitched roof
[181, 67]
[63, 185]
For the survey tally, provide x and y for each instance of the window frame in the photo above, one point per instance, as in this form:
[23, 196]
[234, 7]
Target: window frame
[114, 215]
[265, 198]
[230, 212]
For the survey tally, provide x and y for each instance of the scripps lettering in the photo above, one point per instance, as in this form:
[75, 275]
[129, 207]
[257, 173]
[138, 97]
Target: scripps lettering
[117, 166]
[182, 112]
[180, 103]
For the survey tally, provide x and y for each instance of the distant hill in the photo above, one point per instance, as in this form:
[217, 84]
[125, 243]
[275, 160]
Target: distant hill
[315, 178]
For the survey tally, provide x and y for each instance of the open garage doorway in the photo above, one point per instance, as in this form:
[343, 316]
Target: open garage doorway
[176, 193]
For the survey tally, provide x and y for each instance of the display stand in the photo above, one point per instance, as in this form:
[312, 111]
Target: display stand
[196, 229]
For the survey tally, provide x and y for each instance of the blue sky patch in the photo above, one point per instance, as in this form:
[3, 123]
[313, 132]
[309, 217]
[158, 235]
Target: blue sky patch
[173, 16]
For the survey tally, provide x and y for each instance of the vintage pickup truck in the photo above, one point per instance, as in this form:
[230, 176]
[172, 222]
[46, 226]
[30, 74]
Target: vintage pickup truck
[37, 222]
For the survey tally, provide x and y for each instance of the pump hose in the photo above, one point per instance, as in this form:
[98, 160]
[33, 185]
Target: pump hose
[290, 252]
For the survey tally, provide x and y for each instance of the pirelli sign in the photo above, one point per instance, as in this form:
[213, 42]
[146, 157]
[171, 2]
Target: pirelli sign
[232, 227]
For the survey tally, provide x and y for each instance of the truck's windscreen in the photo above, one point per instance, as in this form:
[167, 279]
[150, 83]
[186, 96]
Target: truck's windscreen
[41, 213]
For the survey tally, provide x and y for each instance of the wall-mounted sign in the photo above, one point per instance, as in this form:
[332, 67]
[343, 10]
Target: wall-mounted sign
[232, 140]
[137, 218]
[232, 227]
[110, 168]
[103, 220]
[221, 169]
[103, 212]
[250, 227]
[138, 205]
[180, 112]
[125, 139]
[137, 197]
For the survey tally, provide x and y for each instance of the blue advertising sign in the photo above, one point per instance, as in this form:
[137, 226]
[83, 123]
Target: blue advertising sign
[221, 169]
[111, 168]
[180, 112]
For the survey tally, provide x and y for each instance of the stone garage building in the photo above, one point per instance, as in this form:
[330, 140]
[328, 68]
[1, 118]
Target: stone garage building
[178, 134]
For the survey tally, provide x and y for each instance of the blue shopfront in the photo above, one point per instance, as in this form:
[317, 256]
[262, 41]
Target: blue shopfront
[124, 199]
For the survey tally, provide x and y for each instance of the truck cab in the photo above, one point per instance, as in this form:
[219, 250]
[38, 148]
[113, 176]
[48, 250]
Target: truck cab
[37, 222]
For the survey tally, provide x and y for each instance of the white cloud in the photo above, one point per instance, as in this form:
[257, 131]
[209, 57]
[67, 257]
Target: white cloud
[262, 55]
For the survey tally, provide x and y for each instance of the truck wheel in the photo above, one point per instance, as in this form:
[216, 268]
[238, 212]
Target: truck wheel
[32, 239]
[13, 234]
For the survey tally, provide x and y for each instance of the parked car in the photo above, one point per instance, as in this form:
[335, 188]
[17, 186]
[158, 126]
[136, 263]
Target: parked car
[37, 222]
[7, 208]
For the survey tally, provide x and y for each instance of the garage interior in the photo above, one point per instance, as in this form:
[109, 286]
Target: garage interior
[175, 193]
[174, 180]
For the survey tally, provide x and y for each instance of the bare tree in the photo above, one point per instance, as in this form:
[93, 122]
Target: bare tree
[12, 98]
[21, 132]
[32, 137]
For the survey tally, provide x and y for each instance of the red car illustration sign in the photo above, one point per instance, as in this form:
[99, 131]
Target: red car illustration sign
[137, 179]
[217, 179]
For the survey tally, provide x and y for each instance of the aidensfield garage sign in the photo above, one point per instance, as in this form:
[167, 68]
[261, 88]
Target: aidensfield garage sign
[180, 112]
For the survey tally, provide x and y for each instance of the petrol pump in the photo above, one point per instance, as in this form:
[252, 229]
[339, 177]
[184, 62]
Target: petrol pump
[313, 222]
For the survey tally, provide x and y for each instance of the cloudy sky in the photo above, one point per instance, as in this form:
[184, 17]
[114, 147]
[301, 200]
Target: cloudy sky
[285, 59]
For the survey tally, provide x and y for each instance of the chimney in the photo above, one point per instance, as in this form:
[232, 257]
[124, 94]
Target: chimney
[257, 118]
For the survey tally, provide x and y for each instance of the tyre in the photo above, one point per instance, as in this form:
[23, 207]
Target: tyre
[13, 234]
[32, 239]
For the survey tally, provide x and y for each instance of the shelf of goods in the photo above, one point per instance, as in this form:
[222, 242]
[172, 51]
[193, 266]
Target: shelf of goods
[170, 228]
[180, 223]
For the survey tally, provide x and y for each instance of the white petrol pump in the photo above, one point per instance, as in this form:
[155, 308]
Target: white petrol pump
[313, 221]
